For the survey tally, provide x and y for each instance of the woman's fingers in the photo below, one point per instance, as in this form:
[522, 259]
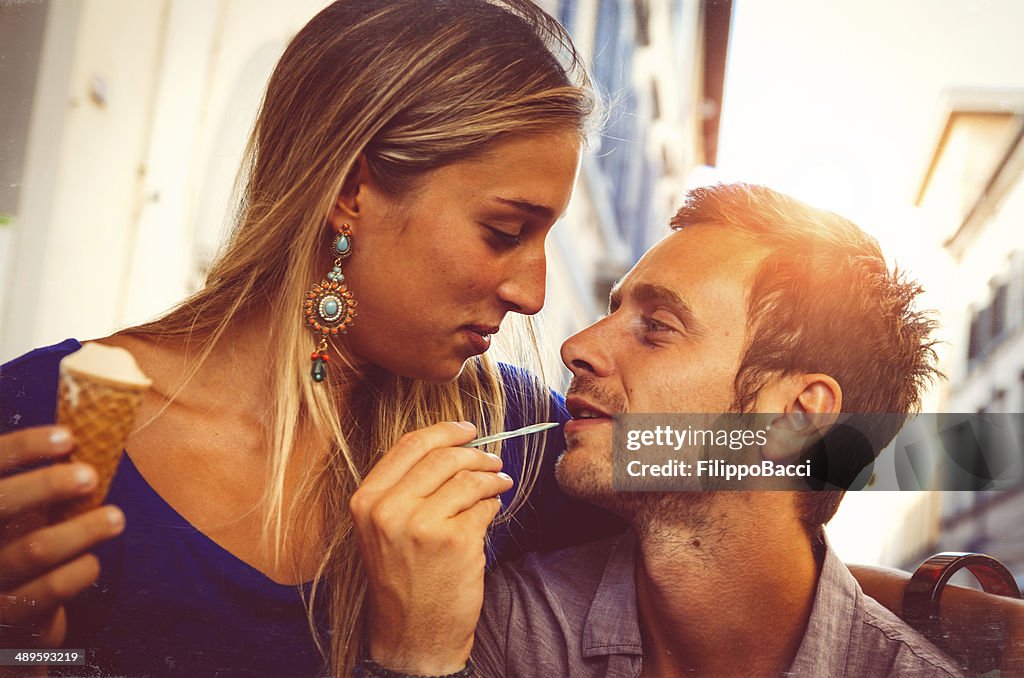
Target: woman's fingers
[27, 558]
[479, 517]
[466, 489]
[41, 569]
[412, 447]
[32, 445]
[441, 485]
[49, 485]
[431, 523]
[439, 466]
[40, 598]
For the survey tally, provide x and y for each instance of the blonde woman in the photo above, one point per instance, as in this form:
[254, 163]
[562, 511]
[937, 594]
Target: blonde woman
[410, 156]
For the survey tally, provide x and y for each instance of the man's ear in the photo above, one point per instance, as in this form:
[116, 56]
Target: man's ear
[809, 405]
[347, 208]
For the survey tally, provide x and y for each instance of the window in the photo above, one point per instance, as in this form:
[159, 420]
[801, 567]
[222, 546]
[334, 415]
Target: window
[985, 330]
[999, 312]
[643, 22]
[974, 340]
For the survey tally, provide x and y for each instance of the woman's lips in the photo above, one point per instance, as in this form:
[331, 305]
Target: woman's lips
[479, 338]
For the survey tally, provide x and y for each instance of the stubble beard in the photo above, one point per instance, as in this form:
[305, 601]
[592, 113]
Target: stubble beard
[585, 472]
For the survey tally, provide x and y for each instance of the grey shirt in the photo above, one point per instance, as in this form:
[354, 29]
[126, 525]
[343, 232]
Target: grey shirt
[574, 613]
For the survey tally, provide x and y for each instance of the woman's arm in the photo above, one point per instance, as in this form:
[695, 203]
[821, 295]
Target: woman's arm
[421, 516]
[971, 613]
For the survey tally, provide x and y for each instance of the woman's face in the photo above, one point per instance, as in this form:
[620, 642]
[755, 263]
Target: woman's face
[435, 272]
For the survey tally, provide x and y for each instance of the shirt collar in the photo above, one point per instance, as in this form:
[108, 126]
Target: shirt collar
[612, 625]
[826, 642]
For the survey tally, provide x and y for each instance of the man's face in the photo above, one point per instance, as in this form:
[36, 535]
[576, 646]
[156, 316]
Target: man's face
[671, 342]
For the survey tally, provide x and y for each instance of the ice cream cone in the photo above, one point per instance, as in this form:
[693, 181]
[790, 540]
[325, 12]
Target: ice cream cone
[97, 399]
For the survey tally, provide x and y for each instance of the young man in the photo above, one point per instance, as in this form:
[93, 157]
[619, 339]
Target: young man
[756, 303]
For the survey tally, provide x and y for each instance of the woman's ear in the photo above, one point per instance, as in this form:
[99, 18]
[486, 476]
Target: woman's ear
[347, 208]
[810, 404]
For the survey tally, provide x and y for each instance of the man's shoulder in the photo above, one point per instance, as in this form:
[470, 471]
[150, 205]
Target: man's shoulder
[850, 634]
[879, 632]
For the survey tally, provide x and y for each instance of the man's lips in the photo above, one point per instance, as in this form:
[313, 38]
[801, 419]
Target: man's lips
[592, 407]
[585, 415]
[582, 409]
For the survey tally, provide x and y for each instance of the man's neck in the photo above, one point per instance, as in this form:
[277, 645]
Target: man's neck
[728, 594]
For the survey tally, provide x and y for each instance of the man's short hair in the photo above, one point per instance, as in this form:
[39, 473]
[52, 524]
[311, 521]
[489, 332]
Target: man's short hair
[822, 300]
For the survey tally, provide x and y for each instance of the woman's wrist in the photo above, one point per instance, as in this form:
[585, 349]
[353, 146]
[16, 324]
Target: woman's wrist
[368, 668]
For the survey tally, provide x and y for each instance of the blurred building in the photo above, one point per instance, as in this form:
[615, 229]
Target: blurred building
[123, 123]
[661, 66]
[972, 192]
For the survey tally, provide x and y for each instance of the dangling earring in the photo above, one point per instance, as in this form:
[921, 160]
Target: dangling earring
[329, 307]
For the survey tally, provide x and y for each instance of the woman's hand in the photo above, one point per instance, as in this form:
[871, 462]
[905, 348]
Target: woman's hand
[43, 567]
[421, 515]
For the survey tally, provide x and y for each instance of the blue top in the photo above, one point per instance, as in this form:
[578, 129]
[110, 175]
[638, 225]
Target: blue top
[171, 602]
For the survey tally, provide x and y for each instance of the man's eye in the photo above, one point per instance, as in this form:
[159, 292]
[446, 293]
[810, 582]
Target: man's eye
[652, 325]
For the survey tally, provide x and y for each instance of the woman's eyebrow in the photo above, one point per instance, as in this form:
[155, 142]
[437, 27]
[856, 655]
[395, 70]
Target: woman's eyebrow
[542, 211]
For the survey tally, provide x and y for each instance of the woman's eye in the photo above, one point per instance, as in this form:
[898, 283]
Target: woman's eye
[503, 239]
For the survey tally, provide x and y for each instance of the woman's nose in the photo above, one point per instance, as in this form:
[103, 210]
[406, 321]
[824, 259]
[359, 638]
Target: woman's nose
[523, 291]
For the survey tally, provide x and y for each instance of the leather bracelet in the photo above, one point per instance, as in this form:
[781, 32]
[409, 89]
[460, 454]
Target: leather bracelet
[371, 669]
[924, 590]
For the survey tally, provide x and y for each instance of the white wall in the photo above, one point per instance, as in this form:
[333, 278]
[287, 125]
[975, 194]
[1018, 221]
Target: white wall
[83, 167]
[141, 112]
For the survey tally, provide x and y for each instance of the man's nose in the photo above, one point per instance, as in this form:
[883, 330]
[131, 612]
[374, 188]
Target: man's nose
[588, 351]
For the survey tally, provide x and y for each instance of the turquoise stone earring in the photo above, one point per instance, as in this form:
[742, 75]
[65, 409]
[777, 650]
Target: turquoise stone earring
[329, 307]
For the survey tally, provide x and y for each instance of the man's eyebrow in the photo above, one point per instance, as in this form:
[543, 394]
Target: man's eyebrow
[542, 211]
[649, 293]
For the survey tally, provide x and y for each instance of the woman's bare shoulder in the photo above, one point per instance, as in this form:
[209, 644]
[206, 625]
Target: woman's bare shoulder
[157, 358]
[162, 417]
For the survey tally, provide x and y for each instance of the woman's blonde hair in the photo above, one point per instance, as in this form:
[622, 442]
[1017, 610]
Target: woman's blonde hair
[408, 86]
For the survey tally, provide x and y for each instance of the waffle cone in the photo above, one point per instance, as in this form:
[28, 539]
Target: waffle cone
[100, 413]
